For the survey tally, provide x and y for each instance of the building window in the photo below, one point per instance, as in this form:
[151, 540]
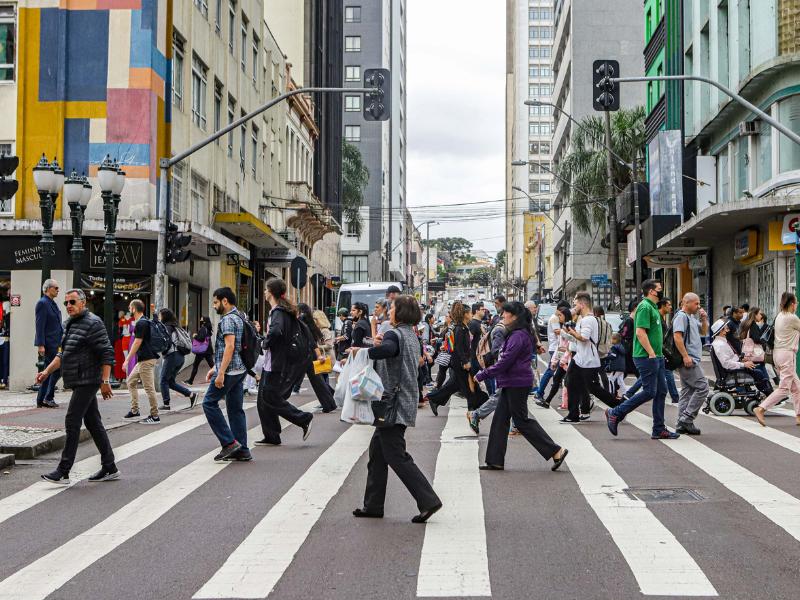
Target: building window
[243, 144]
[539, 33]
[352, 133]
[244, 44]
[352, 14]
[766, 297]
[218, 17]
[354, 269]
[533, 187]
[8, 39]
[254, 150]
[789, 115]
[199, 196]
[177, 191]
[256, 45]
[217, 108]
[350, 230]
[764, 153]
[352, 103]
[352, 73]
[199, 92]
[231, 26]
[177, 73]
[352, 43]
[6, 205]
[202, 6]
[231, 118]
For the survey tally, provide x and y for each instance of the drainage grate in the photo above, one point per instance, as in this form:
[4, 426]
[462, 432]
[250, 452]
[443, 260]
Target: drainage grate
[665, 494]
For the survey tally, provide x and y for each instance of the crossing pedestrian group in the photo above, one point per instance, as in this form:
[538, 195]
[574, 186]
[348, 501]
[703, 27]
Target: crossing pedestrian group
[386, 357]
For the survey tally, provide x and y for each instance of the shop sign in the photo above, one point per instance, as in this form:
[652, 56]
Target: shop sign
[698, 262]
[128, 256]
[122, 285]
[601, 280]
[745, 244]
[277, 255]
[788, 235]
[24, 253]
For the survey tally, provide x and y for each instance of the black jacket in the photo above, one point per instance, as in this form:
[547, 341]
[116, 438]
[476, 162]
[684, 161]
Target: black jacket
[85, 348]
[461, 346]
[280, 328]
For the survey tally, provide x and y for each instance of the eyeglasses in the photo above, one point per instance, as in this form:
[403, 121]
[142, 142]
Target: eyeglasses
[70, 302]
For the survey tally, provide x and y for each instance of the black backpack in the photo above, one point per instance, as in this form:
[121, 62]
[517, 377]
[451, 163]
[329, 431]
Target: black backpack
[251, 343]
[301, 345]
[672, 357]
[160, 339]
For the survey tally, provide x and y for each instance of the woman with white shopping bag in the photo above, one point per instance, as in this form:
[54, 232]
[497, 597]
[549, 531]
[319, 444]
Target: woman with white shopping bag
[396, 359]
[356, 411]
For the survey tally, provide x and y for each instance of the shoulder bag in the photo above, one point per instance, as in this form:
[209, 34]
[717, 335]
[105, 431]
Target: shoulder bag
[385, 409]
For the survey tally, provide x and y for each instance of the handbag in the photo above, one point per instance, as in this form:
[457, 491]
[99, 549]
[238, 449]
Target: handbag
[752, 351]
[199, 347]
[443, 359]
[385, 409]
[323, 367]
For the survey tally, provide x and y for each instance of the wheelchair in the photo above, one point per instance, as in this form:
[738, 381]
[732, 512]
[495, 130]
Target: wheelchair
[731, 391]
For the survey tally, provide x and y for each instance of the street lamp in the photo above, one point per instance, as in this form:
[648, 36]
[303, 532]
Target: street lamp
[48, 178]
[77, 192]
[112, 180]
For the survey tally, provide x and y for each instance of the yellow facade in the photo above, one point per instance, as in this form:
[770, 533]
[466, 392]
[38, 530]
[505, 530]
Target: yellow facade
[534, 222]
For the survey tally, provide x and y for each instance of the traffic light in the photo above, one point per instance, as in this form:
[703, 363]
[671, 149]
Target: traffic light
[176, 244]
[605, 93]
[378, 102]
[8, 187]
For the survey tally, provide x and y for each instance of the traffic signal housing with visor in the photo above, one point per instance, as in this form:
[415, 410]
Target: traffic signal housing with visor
[377, 103]
[176, 245]
[8, 187]
[605, 93]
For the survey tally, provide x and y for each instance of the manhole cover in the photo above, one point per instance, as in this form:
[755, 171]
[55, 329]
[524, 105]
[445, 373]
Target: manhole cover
[470, 437]
[672, 494]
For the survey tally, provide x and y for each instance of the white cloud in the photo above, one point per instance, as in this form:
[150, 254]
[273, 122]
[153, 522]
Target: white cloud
[456, 114]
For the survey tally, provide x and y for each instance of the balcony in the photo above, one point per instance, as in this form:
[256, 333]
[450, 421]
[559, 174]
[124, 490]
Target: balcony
[307, 215]
[625, 206]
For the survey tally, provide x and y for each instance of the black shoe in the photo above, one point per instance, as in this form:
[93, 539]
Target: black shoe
[584, 417]
[105, 475]
[363, 513]
[426, 514]
[57, 477]
[192, 399]
[542, 403]
[557, 462]
[49, 404]
[488, 467]
[241, 455]
[151, 420]
[132, 415]
[434, 408]
[164, 407]
[307, 429]
[567, 420]
[687, 428]
[226, 451]
[266, 442]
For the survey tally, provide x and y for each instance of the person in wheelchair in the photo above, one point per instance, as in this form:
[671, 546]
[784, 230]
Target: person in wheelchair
[731, 362]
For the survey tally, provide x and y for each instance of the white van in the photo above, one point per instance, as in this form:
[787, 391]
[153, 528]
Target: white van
[368, 293]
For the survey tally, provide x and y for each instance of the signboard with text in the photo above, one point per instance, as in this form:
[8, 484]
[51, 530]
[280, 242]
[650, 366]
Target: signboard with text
[24, 253]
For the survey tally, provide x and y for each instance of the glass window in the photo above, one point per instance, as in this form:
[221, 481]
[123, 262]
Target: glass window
[352, 43]
[231, 26]
[199, 197]
[764, 158]
[177, 191]
[352, 103]
[789, 115]
[218, 16]
[742, 160]
[256, 44]
[177, 75]
[217, 108]
[352, 73]
[202, 6]
[243, 144]
[533, 187]
[254, 150]
[352, 133]
[352, 14]
[8, 46]
[354, 270]
[6, 205]
[199, 92]
[351, 230]
[244, 44]
[231, 119]
[723, 181]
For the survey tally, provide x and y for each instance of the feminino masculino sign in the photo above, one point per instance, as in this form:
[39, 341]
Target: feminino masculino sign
[24, 253]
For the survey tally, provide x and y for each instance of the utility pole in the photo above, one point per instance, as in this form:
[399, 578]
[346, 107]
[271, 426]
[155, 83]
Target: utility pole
[612, 220]
[637, 266]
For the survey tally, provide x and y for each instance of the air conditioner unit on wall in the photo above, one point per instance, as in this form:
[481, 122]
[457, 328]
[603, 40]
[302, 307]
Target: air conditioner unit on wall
[748, 128]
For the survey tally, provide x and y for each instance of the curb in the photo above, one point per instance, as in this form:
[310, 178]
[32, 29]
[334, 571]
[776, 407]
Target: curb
[6, 460]
[50, 443]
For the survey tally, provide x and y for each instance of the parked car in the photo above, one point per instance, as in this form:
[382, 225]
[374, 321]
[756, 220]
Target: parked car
[545, 312]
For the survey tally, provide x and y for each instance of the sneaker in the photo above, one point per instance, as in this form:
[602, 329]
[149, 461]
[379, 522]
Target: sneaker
[228, 450]
[567, 420]
[57, 477]
[192, 399]
[665, 435]
[474, 422]
[537, 397]
[611, 421]
[513, 432]
[132, 415]
[151, 421]
[105, 475]
[542, 403]
[687, 428]
[266, 442]
[164, 407]
[433, 406]
[307, 429]
[585, 417]
[49, 404]
[241, 455]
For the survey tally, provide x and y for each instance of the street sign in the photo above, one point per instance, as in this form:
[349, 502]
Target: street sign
[601, 280]
[15, 299]
[299, 272]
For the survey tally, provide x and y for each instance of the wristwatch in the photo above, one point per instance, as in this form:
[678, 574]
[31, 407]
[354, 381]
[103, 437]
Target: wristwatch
[107, 382]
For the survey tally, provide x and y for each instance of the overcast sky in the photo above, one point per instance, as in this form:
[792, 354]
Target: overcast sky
[456, 114]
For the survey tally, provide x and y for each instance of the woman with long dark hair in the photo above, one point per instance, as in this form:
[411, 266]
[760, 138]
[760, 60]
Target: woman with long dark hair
[203, 338]
[514, 376]
[750, 332]
[396, 360]
[279, 376]
[361, 325]
[321, 389]
[172, 364]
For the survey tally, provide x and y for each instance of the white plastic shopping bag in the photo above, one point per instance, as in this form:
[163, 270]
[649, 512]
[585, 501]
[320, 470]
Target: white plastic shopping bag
[355, 411]
[342, 382]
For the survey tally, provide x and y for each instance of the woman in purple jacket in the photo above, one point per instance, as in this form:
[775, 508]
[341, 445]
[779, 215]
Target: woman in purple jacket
[514, 376]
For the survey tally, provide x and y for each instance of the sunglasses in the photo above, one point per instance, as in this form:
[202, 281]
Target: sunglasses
[70, 302]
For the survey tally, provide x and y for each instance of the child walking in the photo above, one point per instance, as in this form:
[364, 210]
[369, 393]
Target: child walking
[616, 366]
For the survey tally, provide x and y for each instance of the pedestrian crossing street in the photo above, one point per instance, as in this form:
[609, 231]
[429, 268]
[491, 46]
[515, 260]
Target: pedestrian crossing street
[179, 525]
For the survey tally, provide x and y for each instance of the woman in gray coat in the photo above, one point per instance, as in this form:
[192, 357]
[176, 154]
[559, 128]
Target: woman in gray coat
[397, 362]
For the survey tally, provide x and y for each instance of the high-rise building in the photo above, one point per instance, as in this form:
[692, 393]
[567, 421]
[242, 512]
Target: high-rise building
[374, 37]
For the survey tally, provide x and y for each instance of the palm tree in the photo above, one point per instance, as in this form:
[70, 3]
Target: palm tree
[585, 164]
[355, 177]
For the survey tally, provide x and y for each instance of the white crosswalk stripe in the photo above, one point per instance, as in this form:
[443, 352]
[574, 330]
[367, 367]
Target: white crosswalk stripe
[750, 425]
[47, 574]
[658, 561]
[454, 558]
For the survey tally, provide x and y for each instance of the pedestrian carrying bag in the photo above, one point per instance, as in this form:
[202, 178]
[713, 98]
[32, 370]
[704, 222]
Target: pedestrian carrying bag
[323, 367]
[752, 351]
[199, 347]
[182, 341]
[160, 340]
[604, 338]
[672, 358]
[385, 409]
[251, 344]
[354, 412]
[366, 385]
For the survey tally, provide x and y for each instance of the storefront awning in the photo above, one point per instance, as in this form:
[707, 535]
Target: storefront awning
[250, 228]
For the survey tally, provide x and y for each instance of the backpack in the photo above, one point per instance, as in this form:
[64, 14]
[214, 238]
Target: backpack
[486, 357]
[182, 341]
[160, 340]
[301, 345]
[251, 344]
[672, 358]
[604, 338]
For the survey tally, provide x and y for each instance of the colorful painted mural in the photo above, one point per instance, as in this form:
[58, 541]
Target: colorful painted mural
[92, 81]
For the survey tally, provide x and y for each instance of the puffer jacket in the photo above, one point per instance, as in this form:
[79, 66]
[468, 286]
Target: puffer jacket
[85, 348]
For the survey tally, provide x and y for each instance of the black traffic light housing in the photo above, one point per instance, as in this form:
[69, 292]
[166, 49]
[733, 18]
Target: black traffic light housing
[176, 244]
[377, 103]
[605, 93]
[8, 187]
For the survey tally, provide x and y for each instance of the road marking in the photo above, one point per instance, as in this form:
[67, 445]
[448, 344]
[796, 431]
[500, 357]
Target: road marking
[47, 574]
[658, 561]
[454, 559]
[750, 425]
[259, 562]
[782, 411]
[775, 504]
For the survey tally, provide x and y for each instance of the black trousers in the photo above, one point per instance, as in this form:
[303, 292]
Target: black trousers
[198, 358]
[83, 408]
[582, 382]
[321, 389]
[459, 382]
[440, 376]
[555, 383]
[272, 404]
[388, 449]
[513, 403]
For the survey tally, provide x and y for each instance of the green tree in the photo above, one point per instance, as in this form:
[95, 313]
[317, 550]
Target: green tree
[500, 261]
[482, 276]
[455, 247]
[355, 177]
[585, 164]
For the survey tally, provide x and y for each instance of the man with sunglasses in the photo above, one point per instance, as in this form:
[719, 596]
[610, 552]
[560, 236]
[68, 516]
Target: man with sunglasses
[48, 336]
[85, 361]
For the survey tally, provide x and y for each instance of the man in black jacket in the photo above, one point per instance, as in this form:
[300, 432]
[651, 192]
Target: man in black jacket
[85, 361]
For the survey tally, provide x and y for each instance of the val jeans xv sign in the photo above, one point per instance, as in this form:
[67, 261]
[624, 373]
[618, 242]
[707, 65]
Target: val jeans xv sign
[24, 253]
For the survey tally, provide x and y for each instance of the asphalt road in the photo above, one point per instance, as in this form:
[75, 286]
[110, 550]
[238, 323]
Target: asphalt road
[177, 526]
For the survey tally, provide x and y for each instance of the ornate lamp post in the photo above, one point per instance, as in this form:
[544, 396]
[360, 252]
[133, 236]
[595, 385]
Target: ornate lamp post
[111, 180]
[77, 192]
[48, 179]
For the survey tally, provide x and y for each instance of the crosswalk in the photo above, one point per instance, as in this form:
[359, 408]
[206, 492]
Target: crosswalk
[455, 555]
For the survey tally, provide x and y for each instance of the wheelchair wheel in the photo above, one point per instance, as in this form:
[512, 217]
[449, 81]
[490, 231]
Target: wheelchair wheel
[722, 404]
[751, 404]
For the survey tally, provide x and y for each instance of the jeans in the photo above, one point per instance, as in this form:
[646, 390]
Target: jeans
[669, 379]
[488, 407]
[83, 407]
[232, 391]
[491, 386]
[654, 387]
[637, 385]
[48, 387]
[170, 368]
[545, 379]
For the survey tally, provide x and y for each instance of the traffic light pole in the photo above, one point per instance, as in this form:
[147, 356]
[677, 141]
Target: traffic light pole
[166, 163]
[612, 221]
